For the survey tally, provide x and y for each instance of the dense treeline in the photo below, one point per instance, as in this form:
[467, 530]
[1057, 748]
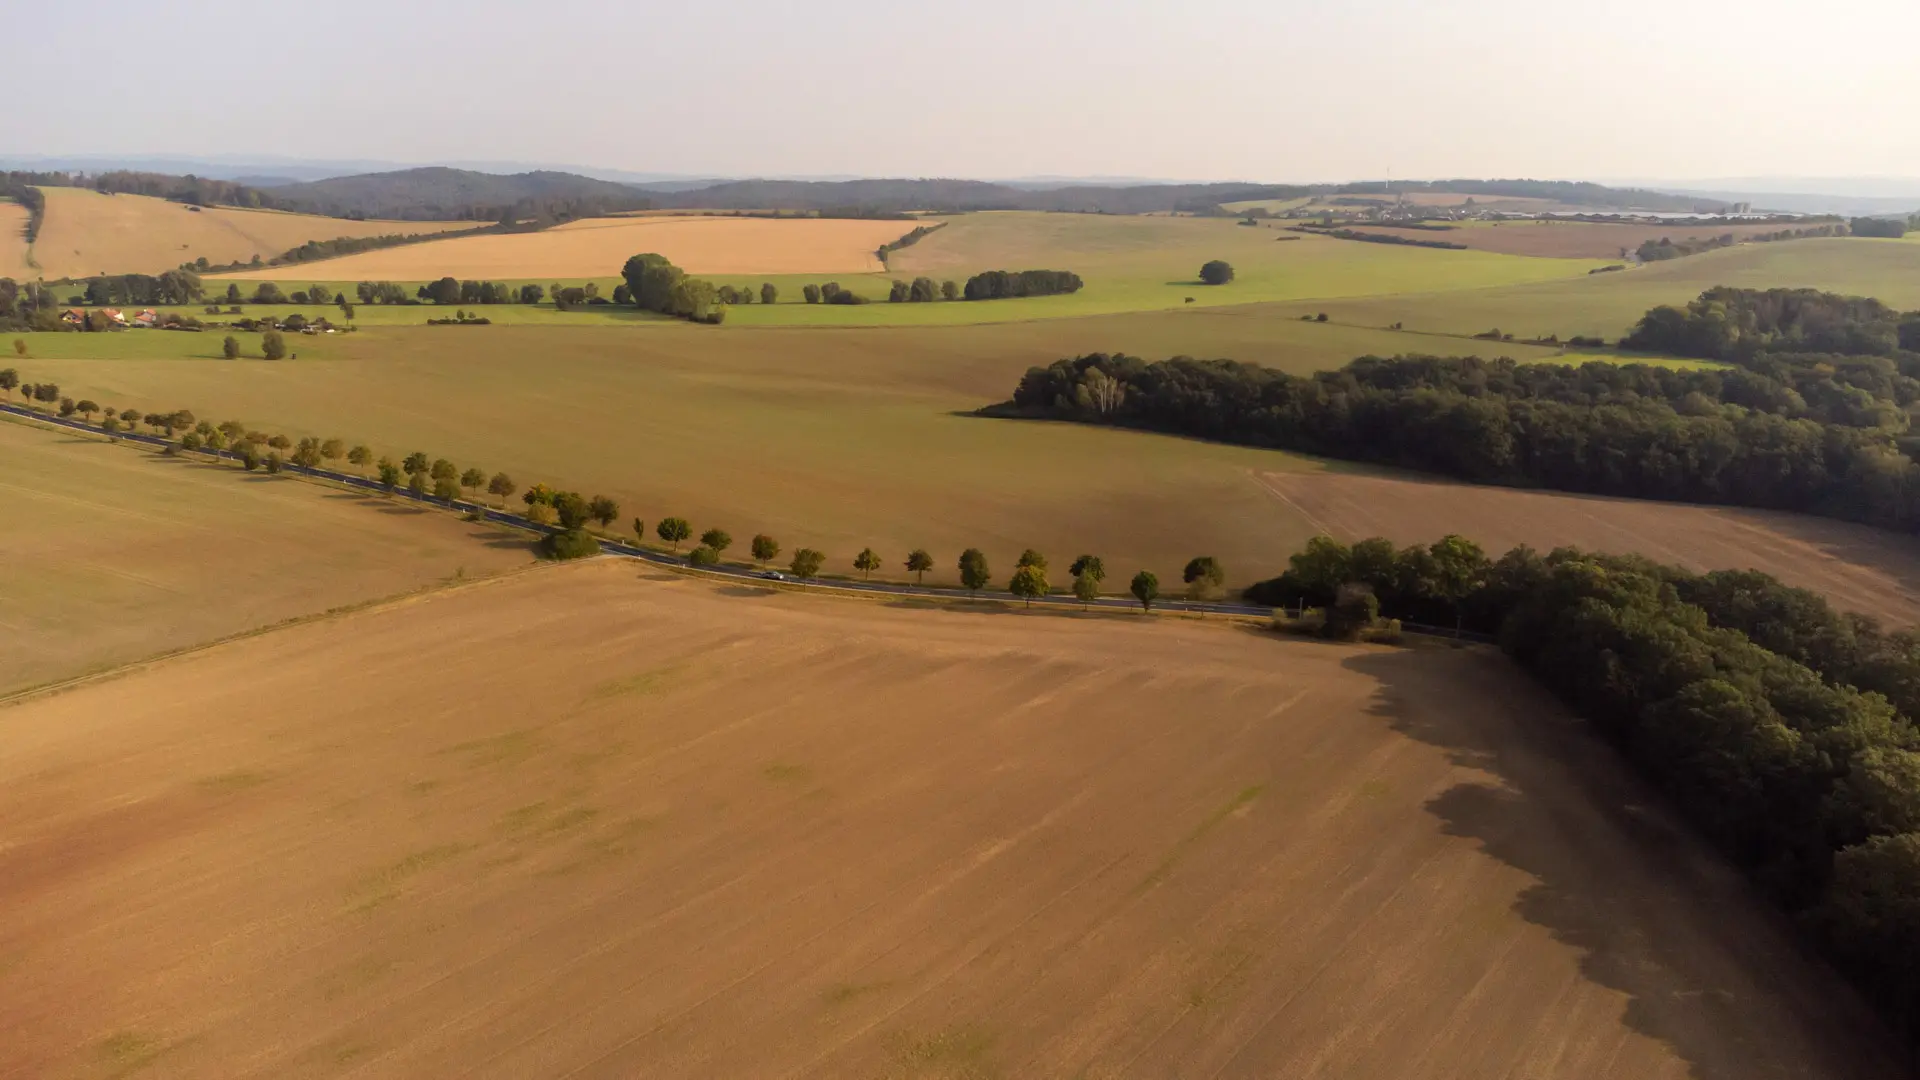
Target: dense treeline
[1783, 729]
[1814, 433]
[29, 306]
[1005, 284]
[1887, 228]
[1736, 324]
[1377, 238]
[23, 188]
[908, 240]
[1665, 248]
[172, 287]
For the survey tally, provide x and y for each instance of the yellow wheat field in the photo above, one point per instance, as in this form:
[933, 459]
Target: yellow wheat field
[600, 246]
[87, 233]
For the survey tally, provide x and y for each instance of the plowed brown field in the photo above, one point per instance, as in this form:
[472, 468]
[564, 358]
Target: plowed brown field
[587, 823]
[1862, 569]
[598, 247]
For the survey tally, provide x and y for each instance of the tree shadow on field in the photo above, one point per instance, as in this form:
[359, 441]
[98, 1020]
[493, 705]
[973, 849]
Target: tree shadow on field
[746, 591]
[1706, 967]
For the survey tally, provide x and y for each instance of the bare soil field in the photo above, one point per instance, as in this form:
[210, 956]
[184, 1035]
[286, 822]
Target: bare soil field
[1568, 239]
[88, 233]
[1862, 569]
[113, 555]
[699, 244]
[13, 242]
[588, 822]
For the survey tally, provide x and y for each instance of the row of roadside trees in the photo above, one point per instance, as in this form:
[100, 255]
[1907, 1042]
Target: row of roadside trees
[423, 475]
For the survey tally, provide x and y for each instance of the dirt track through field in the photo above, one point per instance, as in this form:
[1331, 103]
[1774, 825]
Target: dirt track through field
[590, 823]
[1862, 569]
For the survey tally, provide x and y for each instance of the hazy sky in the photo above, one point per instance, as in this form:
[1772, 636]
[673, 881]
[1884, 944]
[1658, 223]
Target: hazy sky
[1206, 89]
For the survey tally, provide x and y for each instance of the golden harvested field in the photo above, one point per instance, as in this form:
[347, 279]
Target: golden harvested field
[585, 823]
[600, 246]
[1871, 571]
[1568, 239]
[113, 554]
[13, 242]
[87, 233]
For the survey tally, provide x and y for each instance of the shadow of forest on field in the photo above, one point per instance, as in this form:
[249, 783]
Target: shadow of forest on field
[1615, 874]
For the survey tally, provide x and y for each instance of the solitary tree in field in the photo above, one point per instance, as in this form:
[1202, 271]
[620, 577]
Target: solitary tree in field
[389, 472]
[444, 470]
[717, 540]
[230, 348]
[918, 563]
[448, 488]
[278, 442]
[20, 344]
[473, 479]
[333, 449]
[674, 531]
[502, 486]
[806, 563]
[9, 378]
[950, 290]
[898, 292]
[273, 346]
[1216, 272]
[110, 424]
[191, 441]
[68, 406]
[639, 530]
[866, 562]
[769, 293]
[764, 548]
[417, 484]
[360, 456]
[275, 462]
[811, 292]
[1029, 582]
[1145, 588]
[1202, 576]
[973, 570]
[1031, 557]
[416, 462]
[249, 456]
[130, 417]
[86, 407]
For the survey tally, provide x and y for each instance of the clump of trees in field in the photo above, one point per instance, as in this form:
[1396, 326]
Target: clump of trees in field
[1885, 228]
[655, 284]
[1739, 325]
[1005, 284]
[1783, 729]
[1824, 433]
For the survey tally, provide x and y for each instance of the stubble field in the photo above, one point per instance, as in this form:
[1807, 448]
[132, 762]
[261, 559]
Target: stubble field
[86, 233]
[581, 823]
[114, 555]
[1872, 571]
[599, 247]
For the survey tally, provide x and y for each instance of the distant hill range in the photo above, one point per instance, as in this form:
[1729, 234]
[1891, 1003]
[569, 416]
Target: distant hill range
[449, 194]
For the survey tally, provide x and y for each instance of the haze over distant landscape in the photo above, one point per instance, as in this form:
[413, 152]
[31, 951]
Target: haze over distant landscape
[1272, 90]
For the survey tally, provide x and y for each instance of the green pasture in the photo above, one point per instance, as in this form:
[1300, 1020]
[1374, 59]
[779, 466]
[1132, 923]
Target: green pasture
[835, 439]
[1608, 305]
